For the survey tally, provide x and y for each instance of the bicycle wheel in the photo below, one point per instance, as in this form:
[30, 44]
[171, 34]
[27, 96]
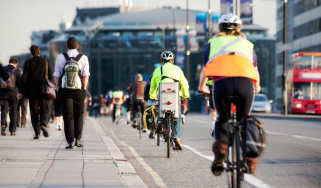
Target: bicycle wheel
[168, 136]
[140, 126]
[236, 174]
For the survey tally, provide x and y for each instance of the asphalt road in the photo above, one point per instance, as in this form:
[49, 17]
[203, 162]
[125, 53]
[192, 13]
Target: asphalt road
[292, 158]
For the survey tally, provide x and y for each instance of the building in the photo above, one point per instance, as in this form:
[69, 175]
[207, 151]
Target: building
[122, 44]
[302, 31]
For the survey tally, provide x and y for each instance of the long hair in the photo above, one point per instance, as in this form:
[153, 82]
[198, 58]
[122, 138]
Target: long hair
[236, 33]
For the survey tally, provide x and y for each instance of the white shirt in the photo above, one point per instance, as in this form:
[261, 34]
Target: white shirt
[83, 63]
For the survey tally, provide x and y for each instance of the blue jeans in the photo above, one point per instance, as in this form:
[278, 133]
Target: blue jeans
[178, 127]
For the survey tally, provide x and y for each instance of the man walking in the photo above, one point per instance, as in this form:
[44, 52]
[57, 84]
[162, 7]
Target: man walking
[9, 97]
[32, 80]
[71, 77]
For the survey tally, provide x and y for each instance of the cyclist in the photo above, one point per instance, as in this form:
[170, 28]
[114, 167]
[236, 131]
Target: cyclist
[118, 99]
[137, 96]
[232, 66]
[169, 72]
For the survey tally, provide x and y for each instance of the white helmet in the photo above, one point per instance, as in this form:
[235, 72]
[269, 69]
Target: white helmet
[229, 22]
[167, 55]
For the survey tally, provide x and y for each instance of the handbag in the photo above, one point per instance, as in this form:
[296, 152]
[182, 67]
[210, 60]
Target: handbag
[48, 88]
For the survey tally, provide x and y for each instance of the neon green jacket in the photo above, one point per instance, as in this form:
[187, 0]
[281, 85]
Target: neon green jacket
[170, 71]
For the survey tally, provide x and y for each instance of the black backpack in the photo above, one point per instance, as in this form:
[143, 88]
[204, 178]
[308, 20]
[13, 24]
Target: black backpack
[254, 137]
[11, 81]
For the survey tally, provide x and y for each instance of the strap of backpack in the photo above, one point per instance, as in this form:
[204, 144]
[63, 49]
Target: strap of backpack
[78, 57]
[66, 56]
[163, 77]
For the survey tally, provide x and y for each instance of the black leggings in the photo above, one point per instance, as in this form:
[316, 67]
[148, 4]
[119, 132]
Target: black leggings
[237, 86]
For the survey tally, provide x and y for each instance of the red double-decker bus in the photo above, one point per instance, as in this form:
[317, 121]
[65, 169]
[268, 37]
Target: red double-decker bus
[304, 83]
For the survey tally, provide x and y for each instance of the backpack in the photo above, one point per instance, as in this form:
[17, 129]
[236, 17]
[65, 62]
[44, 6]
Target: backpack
[11, 81]
[71, 77]
[254, 137]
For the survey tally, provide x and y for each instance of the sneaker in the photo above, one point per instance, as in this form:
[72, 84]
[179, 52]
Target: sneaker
[217, 167]
[3, 130]
[178, 144]
[13, 133]
[151, 135]
[36, 137]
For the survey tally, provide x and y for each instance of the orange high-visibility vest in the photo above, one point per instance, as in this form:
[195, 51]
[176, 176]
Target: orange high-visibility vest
[231, 56]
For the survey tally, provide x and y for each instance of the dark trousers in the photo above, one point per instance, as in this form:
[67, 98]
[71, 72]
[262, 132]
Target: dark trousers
[237, 86]
[73, 113]
[9, 104]
[22, 112]
[40, 113]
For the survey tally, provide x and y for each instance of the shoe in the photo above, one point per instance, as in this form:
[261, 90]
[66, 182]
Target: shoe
[217, 167]
[59, 129]
[69, 146]
[78, 143]
[36, 137]
[44, 131]
[178, 144]
[151, 135]
[144, 130]
[3, 130]
[13, 134]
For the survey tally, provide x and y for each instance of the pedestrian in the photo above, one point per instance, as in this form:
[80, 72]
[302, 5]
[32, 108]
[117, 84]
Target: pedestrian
[71, 77]
[9, 97]
[33, 78]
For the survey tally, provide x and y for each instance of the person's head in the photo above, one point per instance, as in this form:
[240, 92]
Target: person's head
[35, 50]
[13, 61]
[230, 24]
[72, 43]
[167, 56]
[139, 77]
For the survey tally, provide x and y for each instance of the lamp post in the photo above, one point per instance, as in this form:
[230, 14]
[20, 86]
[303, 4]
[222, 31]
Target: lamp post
[188, 52]
[209, 21]
[285, 95]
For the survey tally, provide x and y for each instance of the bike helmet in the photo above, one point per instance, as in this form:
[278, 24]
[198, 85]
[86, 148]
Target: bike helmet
[229, 22]
[167, 55]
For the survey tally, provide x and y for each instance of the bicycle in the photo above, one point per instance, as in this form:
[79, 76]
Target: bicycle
[235, 164]
[169, 110]
[150, 120]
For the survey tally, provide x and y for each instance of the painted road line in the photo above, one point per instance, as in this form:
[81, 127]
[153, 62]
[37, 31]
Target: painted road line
[295, 136]
[277, 133]
[125, 168]
[247, 177]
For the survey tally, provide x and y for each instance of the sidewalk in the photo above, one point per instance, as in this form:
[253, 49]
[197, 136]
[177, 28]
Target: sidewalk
[25, 162]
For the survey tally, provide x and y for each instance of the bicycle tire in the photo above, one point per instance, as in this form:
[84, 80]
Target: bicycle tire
[235, 178]
[140, 127]
[168, 136]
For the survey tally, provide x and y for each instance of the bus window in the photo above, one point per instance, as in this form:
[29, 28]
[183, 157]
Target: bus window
[317, 62]
[316, 91]
[303, 62]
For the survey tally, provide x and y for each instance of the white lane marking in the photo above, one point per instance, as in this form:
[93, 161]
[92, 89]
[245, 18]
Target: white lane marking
[247, 177]
[125, 168]
[295, 136]
[277, 133]
[157, 179]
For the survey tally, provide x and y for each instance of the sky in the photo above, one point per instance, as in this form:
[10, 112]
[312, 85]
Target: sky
[18, 18]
